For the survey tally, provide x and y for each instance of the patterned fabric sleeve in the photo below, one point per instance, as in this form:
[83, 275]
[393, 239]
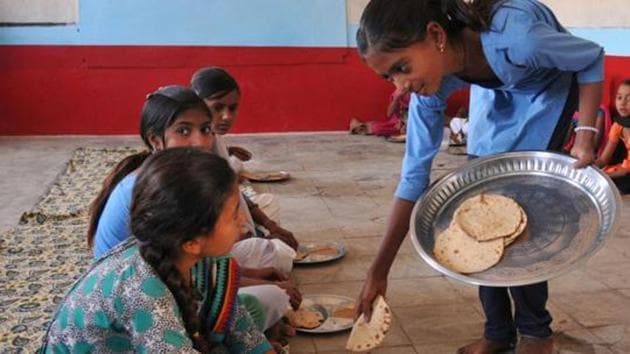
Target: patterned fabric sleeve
[150, 315]
[244, 337]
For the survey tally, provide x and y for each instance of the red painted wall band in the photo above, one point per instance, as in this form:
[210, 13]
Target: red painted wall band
[49, 90]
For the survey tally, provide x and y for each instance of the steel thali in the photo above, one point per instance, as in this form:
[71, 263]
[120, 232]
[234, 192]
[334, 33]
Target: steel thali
[571, 212]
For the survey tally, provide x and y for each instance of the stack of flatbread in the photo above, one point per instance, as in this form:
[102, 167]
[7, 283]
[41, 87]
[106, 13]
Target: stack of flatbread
[481, 228]
[368, 335]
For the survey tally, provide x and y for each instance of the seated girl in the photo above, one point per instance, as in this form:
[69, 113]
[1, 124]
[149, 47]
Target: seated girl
[170, 287]
[222, 95]
[619, 168]
[174, 116]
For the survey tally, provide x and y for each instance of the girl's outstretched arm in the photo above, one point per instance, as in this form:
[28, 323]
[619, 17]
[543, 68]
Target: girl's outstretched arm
[609, 149]
[376, 282]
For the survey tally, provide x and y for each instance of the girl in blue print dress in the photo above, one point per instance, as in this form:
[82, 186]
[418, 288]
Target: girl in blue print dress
[153, 293]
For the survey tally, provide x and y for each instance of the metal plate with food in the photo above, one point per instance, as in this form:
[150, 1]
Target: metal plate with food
[266, 176]
[337, 312]
[319, 252]
[569, 213]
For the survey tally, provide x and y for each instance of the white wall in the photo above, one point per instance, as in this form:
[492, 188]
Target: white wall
[39, 11]
[590, 13]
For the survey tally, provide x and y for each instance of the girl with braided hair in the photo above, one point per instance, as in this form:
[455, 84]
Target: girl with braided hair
[526, 75]
[145, 295]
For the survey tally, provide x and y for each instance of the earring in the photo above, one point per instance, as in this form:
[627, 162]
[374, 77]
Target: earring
[441, 48]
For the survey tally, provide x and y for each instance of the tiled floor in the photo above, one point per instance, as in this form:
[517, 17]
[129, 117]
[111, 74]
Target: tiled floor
[341, 189]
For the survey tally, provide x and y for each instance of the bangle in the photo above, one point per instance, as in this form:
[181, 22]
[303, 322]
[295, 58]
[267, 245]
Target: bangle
[585, 127]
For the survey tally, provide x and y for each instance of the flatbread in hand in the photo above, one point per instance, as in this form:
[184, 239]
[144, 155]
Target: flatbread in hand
[368, 335]
[488, 216]
[459, 252]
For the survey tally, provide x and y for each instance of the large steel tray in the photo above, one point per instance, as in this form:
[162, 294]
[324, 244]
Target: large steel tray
[571, 212]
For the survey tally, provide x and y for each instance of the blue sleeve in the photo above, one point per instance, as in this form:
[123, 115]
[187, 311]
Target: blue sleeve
[542, 46]
[425, 129]
[114, 225]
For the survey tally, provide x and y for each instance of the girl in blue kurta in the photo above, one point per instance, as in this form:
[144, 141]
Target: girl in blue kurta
[526, 74]
[169, 289]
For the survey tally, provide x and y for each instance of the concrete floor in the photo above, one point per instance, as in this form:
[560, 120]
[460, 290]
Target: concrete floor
[341, 189]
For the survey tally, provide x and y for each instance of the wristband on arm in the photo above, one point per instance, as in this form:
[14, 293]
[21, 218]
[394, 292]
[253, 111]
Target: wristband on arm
[585, 127]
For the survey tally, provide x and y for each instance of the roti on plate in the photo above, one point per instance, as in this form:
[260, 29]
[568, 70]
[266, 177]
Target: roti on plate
[511, 238]
[459, 252]
[305, 318]
[488, 216]
[368, 335]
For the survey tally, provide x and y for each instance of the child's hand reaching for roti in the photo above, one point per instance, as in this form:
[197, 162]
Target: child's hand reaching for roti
[286, 236]
[373, 286]
[295, 296]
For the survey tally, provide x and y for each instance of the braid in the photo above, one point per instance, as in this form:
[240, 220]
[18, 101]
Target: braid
[185, 296]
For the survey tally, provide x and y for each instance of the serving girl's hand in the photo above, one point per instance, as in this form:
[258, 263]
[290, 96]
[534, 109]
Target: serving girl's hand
[583, 149]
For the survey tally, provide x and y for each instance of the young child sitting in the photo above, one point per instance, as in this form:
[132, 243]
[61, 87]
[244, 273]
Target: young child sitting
[393, 126]
[222, 95]
[619, 132]
[170, 288]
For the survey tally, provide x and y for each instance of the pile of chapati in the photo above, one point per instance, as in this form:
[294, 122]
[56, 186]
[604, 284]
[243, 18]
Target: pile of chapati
[482, 227]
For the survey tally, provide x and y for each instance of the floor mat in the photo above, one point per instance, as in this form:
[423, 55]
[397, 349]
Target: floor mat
[47, 251]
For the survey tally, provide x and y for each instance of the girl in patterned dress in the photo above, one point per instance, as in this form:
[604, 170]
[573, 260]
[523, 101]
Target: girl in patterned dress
[153, 293]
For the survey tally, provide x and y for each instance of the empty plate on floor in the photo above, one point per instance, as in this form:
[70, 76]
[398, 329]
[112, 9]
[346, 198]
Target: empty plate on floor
[266, 176]
[337, 311]
[319, 252]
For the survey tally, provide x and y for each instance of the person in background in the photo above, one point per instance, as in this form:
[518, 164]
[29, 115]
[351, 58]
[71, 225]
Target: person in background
[393, 126]
[619, 139]
[222, 95]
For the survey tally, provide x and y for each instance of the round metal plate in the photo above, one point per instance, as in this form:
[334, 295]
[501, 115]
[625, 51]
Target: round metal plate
[570, 213]
[326, 305]
[266, 176]
[306, 248]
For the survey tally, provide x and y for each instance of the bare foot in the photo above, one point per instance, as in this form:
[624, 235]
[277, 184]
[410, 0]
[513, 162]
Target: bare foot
[359, 128]
[534, 346]
[484, 346]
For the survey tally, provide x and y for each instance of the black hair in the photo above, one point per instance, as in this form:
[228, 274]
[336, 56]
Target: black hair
[178, 196]
[388, 25]
[161, 109]
[213, 82]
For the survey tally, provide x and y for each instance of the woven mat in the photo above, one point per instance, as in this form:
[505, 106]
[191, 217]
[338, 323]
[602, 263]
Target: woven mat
[46, 252]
